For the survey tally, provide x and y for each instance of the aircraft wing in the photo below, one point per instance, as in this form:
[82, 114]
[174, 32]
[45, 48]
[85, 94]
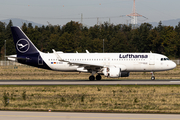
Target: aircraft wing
[95, 67]
[86, 65]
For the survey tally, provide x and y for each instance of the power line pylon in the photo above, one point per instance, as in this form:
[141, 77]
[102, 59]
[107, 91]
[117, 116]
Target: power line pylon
[134, 16]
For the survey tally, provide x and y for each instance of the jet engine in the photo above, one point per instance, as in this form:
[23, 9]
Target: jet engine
[114, 72]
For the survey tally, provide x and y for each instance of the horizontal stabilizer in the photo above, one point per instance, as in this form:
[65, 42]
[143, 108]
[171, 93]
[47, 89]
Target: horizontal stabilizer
[15, 58]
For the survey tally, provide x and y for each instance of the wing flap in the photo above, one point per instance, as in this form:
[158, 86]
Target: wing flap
[85, 64]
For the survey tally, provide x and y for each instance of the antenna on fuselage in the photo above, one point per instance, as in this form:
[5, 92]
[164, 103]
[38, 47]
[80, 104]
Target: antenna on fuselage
[87, 51]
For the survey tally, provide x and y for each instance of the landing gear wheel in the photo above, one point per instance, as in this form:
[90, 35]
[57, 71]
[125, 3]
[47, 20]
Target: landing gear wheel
[152, 78]
[91, 78]
[98, 77]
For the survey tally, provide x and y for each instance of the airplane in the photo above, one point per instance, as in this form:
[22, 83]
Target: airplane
[112, 65]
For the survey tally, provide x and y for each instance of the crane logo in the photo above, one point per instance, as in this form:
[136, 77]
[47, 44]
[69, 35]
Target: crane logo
[22, 45]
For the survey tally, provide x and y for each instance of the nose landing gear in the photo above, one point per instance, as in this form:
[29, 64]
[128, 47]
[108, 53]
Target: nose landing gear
[153, 77]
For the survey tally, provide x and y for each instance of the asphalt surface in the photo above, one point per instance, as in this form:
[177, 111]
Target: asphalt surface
[19, 115]
[87, 82]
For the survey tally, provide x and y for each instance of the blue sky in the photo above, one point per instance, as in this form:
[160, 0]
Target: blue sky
[62, 11]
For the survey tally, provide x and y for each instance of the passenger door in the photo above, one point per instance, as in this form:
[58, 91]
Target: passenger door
[152, 60]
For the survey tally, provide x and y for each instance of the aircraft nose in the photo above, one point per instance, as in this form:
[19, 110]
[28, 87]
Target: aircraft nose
[173, 65]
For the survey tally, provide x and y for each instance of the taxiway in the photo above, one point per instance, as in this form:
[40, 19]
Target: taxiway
[20, 115]
[87, 82]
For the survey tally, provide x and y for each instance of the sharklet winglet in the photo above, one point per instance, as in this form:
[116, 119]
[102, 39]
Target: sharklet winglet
[58, 57]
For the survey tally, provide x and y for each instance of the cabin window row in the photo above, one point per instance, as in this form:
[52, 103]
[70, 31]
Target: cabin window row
[98, 59]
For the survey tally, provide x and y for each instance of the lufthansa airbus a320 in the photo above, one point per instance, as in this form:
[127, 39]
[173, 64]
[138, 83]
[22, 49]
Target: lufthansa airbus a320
[112, 65]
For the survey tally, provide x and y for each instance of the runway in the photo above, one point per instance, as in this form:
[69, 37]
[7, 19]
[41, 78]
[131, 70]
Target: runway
[19, 115]
[87, 82]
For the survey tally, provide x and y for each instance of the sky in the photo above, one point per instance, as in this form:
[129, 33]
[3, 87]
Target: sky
[59, 12]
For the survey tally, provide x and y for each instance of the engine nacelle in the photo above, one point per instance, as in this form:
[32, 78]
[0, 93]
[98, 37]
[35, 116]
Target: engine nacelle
[114, 72]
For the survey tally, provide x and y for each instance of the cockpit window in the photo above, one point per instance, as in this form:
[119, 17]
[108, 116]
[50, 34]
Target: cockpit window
[164, 59]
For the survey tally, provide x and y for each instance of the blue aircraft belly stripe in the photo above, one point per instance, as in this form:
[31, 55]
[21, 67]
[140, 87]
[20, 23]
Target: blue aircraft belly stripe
[32, 60]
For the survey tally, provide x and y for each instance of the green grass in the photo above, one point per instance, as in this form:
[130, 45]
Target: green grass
[30, 73]
[119, 98]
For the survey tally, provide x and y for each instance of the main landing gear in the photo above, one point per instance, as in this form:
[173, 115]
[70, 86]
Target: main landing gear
[92, 78]
[153, 77]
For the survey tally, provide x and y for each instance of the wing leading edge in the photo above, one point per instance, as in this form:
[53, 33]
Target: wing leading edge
[86, 65]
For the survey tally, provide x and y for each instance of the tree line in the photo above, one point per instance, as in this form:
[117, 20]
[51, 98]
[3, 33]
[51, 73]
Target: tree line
[74, 37]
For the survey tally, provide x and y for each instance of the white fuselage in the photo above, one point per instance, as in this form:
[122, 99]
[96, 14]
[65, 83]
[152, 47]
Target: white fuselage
[130, 62]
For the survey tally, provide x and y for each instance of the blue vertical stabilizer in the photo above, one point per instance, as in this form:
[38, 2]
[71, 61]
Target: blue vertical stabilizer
[22, 43]
[27, 53]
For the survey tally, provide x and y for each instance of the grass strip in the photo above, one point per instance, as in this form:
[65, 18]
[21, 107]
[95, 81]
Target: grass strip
[31, 73]
[96, 98]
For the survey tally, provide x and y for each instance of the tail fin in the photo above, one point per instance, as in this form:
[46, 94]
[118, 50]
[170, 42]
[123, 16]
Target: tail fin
[22, 43]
